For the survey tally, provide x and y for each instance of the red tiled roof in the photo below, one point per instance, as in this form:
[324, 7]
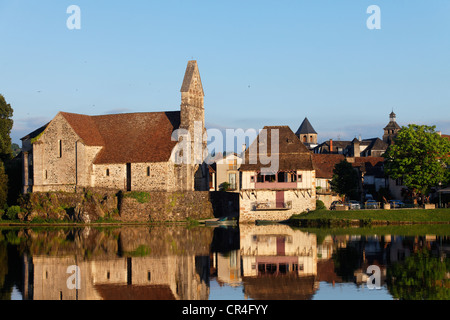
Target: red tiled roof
[128, 138]
[324, 164]
[368, 161]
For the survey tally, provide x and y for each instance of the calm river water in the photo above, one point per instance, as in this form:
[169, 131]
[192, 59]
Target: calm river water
[248, 262]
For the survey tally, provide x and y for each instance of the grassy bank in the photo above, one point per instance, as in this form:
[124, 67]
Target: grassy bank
[369, 217]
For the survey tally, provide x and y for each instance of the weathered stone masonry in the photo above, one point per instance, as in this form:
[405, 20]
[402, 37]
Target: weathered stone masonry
[128, 152]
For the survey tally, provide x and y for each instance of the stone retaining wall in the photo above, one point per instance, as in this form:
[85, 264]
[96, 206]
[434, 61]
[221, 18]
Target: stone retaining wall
[164, 206]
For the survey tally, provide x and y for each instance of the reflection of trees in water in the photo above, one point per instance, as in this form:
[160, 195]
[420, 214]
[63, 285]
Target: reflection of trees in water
[346, 261]
[10, 268]
[420, 277]
[5, 292]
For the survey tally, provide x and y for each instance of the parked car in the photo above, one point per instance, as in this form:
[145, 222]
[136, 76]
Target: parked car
[372, 204]
[354, 205]
[335, 203]
[369, 197]
[396, 204]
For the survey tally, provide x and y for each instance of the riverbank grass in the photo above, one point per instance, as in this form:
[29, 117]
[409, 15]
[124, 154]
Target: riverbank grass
[367, 217]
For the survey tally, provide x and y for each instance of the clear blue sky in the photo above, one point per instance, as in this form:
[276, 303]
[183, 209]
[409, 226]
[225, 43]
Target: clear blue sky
[261, 62]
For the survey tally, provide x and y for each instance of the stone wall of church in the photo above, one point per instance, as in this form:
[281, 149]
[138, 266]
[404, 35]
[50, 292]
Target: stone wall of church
[54, 157]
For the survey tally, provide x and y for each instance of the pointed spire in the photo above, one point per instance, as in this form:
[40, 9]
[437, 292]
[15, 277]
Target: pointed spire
[306, 128]
[192, 80]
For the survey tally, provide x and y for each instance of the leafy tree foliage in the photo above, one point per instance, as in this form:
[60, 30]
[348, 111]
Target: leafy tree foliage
[419, 156]
[345, 179]
[6, 124]
[3, 187]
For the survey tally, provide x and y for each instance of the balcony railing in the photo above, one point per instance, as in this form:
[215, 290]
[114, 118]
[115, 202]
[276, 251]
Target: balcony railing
[272, 205]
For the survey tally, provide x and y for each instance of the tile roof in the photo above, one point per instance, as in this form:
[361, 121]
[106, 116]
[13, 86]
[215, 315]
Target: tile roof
[324, 164]
[292, 154]
[370, 165]
[128, 138]
[392, 125]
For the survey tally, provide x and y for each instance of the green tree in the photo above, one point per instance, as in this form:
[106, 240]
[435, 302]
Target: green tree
[345, 179]
[3, 187]
[6, 124]
[419, 156]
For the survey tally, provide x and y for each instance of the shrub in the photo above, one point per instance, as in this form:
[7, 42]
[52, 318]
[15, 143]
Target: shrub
[141, 197]
[320, 205]
[13, 212]
[224, 186]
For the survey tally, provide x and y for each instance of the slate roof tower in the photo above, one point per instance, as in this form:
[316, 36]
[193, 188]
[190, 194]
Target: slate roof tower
[307, 134]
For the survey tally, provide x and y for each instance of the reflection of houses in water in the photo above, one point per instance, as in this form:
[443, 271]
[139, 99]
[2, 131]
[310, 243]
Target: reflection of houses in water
[225, 256]
[227, 267]
[278, 262]
[140, 278]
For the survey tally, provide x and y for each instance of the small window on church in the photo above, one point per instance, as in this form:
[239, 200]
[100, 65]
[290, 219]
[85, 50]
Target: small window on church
[107, 172]
[46, 175]
[148, 171]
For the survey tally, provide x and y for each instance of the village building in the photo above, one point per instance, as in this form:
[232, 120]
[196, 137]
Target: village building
[373, 147]
[269, 193]
[226, 172]
[130, 152]
[324, 165]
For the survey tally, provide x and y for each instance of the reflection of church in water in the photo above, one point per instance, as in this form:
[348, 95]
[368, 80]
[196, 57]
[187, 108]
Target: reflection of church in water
[141, 273]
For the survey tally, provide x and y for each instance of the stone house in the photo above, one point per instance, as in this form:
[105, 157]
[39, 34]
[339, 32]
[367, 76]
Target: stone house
[324, 165]
[130, 152]
[227, 171]
[276, 193]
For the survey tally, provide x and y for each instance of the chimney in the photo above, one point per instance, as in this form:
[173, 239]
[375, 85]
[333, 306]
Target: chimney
[356, 148]
[331, 145]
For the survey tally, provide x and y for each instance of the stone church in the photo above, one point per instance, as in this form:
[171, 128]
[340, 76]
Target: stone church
[130, 152]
